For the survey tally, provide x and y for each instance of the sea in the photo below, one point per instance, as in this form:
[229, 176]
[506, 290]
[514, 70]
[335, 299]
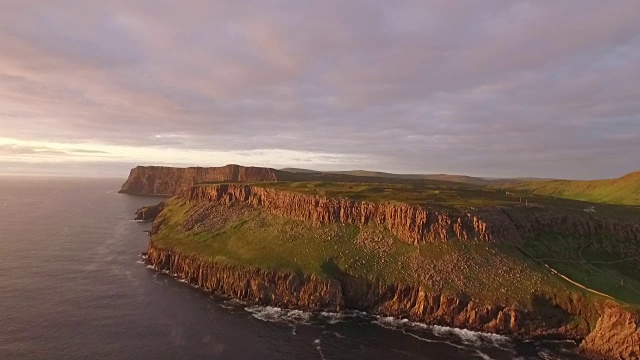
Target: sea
[73, 286]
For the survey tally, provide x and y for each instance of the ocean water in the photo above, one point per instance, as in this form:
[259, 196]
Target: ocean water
[72, 286]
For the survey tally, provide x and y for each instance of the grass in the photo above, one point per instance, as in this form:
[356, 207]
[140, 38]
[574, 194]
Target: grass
[600, 263]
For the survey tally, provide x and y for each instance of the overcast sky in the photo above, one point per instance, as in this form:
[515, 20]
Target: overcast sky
[486, 88]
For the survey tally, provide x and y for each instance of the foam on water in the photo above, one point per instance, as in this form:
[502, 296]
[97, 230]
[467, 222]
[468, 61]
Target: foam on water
[468, 336]
[317, 343]
[331, 317]
[276, 314]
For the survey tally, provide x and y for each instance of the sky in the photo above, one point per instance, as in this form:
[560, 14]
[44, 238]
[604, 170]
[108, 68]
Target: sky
[487, 88]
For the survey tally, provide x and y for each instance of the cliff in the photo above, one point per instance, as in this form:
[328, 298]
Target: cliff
[413, 224]
[252, 285]
[213, 214]
[161, 180]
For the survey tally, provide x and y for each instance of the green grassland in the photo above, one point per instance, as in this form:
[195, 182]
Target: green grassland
[387, 176]
[623, 190]
[600, 263]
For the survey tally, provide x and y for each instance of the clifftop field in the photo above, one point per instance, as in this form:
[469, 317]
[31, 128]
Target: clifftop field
[510, 258]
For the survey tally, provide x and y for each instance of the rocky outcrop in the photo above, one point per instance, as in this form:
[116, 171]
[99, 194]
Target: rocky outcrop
[149, 213]
[616, 335]
[310, 292]
[162, 180]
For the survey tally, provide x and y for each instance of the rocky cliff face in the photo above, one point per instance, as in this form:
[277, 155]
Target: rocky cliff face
[309, 292]
[160, 180]
[149, 213]
[412, 224]
[255, 286]
[616, 335]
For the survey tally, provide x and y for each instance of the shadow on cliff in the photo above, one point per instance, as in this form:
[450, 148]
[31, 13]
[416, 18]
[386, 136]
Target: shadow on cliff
[393, 299]
[360, 293]
[548, 311]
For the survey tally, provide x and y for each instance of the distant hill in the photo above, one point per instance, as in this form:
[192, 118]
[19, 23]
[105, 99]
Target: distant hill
[624, 190]
[378, 174]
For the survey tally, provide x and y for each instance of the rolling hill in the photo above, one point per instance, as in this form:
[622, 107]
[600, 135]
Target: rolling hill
[624, 190]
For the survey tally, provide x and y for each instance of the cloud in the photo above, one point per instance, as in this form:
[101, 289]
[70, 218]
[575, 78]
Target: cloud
[12, 150]
[497, 88]
[33, 153]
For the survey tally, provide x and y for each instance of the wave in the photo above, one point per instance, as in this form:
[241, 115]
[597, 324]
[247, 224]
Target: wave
[331, 317]
[469, 337]
[458, 338]
[276, 314]
[294, 317]
[466, 336]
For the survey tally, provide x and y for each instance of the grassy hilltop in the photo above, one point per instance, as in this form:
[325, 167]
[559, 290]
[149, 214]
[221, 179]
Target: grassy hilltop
[623, 190]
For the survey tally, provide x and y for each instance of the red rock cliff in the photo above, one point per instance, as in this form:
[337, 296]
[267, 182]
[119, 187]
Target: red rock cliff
[616, 335]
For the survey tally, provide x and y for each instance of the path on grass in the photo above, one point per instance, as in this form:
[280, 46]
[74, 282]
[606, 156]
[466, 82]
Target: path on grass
[564, 277]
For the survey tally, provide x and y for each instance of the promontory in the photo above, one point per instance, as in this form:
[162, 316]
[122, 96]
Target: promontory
[475, 254]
